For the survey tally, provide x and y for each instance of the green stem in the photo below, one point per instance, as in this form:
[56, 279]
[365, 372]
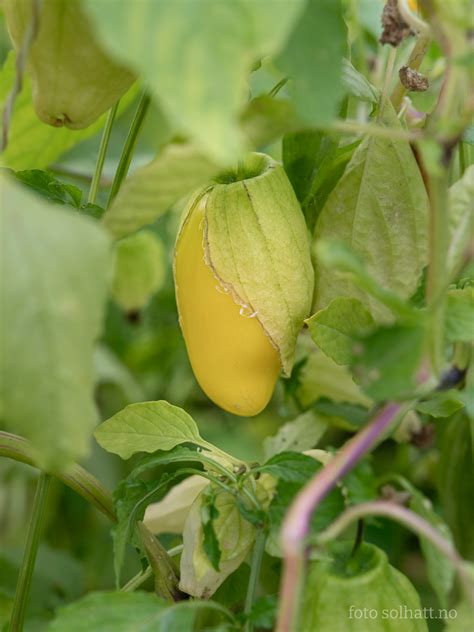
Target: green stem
[104, 143]
[29, 556]
[141, 577]
[166, 580]
[257, 556]
[462, 158]
[437, 269]
[414, 62]
[129, 147]
[76, 477]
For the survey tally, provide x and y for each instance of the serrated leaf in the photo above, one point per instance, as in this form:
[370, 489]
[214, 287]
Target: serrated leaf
[336, 328]
[297, 435]
[151, 190]
[461, 218]
[54, 268]
[459, 321]
[292, 467]
[313, 59]
[147, 427]
[33, 144]
[386, 362]
[235, 537]
[196, 62]
[139, 269]
[380, 209]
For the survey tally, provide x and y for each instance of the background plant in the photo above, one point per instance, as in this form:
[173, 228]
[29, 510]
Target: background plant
[382, 385]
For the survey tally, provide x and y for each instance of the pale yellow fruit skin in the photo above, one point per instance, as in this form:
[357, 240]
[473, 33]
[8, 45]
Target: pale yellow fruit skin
[73, 80]
[231, 356]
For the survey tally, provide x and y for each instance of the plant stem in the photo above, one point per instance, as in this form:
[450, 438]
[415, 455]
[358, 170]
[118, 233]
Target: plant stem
[388, 80]
[21, 60]
[104, 143]
[76, 477]
[29, 556]
[257, 556]
[409, 519]
[129, 146]
[166, 581]
[414, 62]
[297, 522]
[439, 238]
[141, 577]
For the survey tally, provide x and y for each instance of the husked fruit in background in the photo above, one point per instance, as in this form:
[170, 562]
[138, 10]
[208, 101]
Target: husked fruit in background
[73, 80]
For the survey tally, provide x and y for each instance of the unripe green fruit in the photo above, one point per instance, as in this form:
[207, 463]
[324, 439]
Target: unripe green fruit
[363, 594]
[73, 80]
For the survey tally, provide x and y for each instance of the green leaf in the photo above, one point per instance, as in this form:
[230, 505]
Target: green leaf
[322, 377]
[455, 479]
[360, 485]
[147, 427]
[353, 269]
[297, 435]
[461, 218]
[196, 62]
[134, 612]
[235, 537]
[302, 153]
[210, 513]
[439, 569]
[442, 404]
[139, 270]
[336, 328]
[348, 416]
[263, 612]
[292, 467]
[313, 59]
[357, 85]
[153, 189]
[386, 362]
[328, 510]
[48, 186]
[380, 209]
[328, 174]
[463, 620]
[33, 144]
[265, 119]
[110, 612]
[460, 315]
[54, 279]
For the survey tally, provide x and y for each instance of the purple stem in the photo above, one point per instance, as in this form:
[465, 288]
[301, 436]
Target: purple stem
[297, 522]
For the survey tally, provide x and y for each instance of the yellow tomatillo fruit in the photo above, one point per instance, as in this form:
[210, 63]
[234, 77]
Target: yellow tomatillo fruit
[73, 80]
[244, 283]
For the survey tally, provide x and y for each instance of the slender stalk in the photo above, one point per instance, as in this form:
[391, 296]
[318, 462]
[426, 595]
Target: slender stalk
[76, 477]
[22, 592]
[141, 577]
[388, 80]
[409, 519]
[414, 61]
[104, 143]
[439, 238]
[257, 556]
[166, 581]
[297, 522]
[21, 59]
[129, 146]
